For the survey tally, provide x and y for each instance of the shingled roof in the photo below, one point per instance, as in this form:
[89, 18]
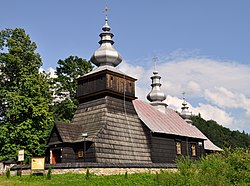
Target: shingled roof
[69, 133]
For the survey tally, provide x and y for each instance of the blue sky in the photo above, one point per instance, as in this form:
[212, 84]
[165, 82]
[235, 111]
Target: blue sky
[202, 46]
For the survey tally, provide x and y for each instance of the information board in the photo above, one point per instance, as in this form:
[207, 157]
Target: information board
[21, 155]
[37, 163]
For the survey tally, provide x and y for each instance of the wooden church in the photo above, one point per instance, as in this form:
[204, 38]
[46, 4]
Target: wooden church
[112, 126]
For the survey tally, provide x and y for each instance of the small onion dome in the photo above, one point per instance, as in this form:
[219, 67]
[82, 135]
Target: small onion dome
[185, 114]
[156, 95]
[106, 54]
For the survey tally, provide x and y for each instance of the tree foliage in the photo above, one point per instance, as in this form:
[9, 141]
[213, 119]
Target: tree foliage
[221, 136]
[65, 83]
[25, 95]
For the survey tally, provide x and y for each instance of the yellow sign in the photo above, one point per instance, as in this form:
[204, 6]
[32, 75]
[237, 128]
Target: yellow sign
[37, 163]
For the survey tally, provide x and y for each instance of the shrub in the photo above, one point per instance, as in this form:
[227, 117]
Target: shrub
[87, 174]
[8, 173]
[49, 173]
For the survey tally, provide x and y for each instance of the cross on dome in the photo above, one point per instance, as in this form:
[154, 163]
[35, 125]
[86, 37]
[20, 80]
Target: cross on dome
[106, 54]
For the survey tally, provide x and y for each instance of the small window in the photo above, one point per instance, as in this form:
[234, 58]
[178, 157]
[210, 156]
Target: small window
[178, 147]
[111, 77]
[80, 153]
[193, 149]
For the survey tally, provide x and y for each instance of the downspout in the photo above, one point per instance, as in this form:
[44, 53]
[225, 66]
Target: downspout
[187, 146]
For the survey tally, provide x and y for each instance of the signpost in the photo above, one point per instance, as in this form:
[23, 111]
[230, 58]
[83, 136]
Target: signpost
[37, 164]
[21, 159]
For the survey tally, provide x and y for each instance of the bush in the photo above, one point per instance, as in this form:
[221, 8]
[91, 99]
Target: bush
[87, 174]
[8, 173]
[49, 173]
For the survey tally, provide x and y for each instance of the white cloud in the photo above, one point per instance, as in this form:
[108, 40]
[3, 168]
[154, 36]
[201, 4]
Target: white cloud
[134, 71]
[220, 86]
[51, 71]
[212, 112]
[207, 111]
[228, 99]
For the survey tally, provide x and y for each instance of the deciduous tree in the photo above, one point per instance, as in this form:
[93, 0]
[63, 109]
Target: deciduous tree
[65, 83]
[25, 119]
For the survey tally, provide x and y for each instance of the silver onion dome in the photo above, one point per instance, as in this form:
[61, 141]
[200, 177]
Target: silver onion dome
[156, 95]
[185, 113]
[106, 54]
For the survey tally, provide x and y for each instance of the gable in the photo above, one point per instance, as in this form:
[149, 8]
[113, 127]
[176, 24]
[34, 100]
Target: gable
[54, 137]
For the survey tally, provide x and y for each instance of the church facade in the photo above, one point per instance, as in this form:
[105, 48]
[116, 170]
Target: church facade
[112, 126]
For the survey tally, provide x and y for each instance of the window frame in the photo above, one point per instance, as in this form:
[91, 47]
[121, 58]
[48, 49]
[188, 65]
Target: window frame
[80, 153]
[193, 150]
[178, 147]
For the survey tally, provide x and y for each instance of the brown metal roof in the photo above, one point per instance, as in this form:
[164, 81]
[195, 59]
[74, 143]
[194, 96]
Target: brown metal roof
[169, 122]
[208, 145]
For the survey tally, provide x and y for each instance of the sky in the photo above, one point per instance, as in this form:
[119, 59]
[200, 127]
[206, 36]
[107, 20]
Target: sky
[202, 47]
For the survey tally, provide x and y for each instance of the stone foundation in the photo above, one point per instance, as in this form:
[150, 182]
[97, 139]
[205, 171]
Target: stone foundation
[99, 171]
[99, 168]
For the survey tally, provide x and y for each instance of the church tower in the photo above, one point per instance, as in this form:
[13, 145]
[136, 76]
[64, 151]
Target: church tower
[106, 113]
[106, 79]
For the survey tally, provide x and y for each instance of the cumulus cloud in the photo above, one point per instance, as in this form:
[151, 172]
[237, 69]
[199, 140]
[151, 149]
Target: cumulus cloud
[207, 111]
[219, 90]
[134, 71]
[228, 99]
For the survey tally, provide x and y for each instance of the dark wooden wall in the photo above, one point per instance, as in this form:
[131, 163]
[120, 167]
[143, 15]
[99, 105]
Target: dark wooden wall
[111, 82]
[54, 138]
[164, 148]
[120, 135]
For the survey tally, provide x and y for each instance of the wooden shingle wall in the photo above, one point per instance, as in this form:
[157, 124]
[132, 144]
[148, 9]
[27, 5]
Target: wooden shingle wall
[115, 129]
[54, 138]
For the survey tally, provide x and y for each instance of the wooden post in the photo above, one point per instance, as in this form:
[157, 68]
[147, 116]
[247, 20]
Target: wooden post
[20, 168]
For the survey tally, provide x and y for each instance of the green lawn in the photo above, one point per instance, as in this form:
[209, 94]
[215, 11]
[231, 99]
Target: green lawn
[79, 179]
[231, 167]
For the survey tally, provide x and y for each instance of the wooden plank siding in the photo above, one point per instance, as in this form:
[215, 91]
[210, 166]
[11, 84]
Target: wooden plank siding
[105, 82]
[164, 148]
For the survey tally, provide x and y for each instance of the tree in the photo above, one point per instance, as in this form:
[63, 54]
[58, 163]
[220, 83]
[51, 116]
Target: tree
[221, 136]
[65, 86]
[25, 119]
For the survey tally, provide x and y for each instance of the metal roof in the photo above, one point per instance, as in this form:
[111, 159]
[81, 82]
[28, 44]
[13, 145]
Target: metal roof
[169, 122]
[208, 145]
[104, 67]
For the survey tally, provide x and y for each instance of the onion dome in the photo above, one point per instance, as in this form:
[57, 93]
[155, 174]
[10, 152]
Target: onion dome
[156, 95]
[185, 113]
[106, 54]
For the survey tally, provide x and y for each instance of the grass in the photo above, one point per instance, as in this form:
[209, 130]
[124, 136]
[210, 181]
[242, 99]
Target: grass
[80, 179]
[231, 167]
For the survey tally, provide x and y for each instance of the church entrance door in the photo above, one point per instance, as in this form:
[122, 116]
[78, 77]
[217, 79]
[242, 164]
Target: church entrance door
[56, 156]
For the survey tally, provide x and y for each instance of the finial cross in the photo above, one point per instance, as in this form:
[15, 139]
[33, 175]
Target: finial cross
[155, 59]
[106, 9]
